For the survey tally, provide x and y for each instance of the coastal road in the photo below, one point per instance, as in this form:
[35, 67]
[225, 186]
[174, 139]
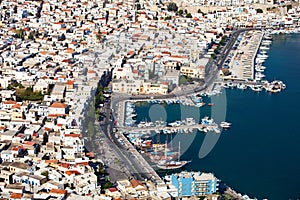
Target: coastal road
[137, 166]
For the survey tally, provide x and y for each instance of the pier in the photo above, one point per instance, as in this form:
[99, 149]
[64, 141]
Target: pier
[173, 129]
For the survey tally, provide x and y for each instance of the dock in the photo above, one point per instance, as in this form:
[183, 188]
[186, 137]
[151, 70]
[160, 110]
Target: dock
[173, 129]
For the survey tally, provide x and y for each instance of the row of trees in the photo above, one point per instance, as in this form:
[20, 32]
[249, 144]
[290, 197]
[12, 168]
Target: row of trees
[29, 94]
[173, 7]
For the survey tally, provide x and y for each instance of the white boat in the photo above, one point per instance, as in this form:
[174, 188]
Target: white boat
[225, 125]
[168, 165]
[260, 60]
[263, 56]
[256, 88]
[268, 37]
[241, 86]
[258, 69]
[275, 86]
[264, 48]
[200, 104]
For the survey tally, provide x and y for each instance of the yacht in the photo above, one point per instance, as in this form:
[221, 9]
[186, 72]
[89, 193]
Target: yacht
[275, 86]
[200, 104]
[256, 88]
[264, 48]
[225, 125]
[171, 164]
[168, 165]
[241, 86]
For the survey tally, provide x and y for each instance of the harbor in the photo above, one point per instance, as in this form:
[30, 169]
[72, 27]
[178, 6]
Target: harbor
[140, 134]
[244, 65]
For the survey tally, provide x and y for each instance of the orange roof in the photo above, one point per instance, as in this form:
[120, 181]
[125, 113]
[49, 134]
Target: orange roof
[70, 82]
[58, 105]
[91, 71]
[58, 191]
[72, 135]
[43, 52]
[10, 102]
[69, 50]
[55, 115]
[17, 106]
[16, 195]
[51, 161]
[30, 143]
[69, 172]
[90, 154]
[135, 183]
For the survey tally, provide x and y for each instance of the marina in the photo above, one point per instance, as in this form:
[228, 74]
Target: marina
[140, 133]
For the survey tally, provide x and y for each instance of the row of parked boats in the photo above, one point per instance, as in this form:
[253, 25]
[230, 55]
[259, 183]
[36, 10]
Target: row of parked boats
[273, 87]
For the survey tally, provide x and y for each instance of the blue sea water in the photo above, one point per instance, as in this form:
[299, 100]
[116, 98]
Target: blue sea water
[260, 154]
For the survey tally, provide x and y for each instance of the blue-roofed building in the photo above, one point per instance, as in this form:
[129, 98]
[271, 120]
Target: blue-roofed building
[194, 183]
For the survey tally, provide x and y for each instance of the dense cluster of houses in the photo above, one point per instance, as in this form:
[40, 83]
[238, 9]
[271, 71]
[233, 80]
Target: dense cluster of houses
[60, 49]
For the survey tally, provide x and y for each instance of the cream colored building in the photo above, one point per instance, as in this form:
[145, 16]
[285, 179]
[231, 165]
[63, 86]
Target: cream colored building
[139, 87]
[193, 72]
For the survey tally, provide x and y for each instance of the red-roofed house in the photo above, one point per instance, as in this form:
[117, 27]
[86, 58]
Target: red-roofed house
[58, 193]
[113, 192]
[58, 108]
[8, 104]
[14, 196]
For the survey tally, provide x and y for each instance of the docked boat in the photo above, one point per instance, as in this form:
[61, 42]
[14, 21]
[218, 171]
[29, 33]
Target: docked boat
[241, 86]
[268, 37]
[200, 104]
[275, 86]
[225, 125]
[264, 48]
[256, 88]
[169, 165]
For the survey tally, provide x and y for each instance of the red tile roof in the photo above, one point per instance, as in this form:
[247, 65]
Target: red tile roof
[58, 105]
[113, 189]
[16, 195]
[58, 191]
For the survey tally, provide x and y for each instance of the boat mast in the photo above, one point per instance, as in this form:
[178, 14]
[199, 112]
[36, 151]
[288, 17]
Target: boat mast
[179, 152]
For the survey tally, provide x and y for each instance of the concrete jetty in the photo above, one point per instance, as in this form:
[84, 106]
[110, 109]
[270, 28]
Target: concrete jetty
[173, 129]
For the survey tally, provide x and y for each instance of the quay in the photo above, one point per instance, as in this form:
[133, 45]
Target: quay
[171, 129]
[241, 60]
[137, 159]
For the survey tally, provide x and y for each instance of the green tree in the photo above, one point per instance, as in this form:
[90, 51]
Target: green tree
[107, 185]
[15, 9]
[30, 36]
[138, 6]
[226, 72]
[189, 15]
[168, 18]
[45, 173]
[259, 10]
[180, 12]
[19, 33]
[99, 37]
[288, 7]
[172, 7]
